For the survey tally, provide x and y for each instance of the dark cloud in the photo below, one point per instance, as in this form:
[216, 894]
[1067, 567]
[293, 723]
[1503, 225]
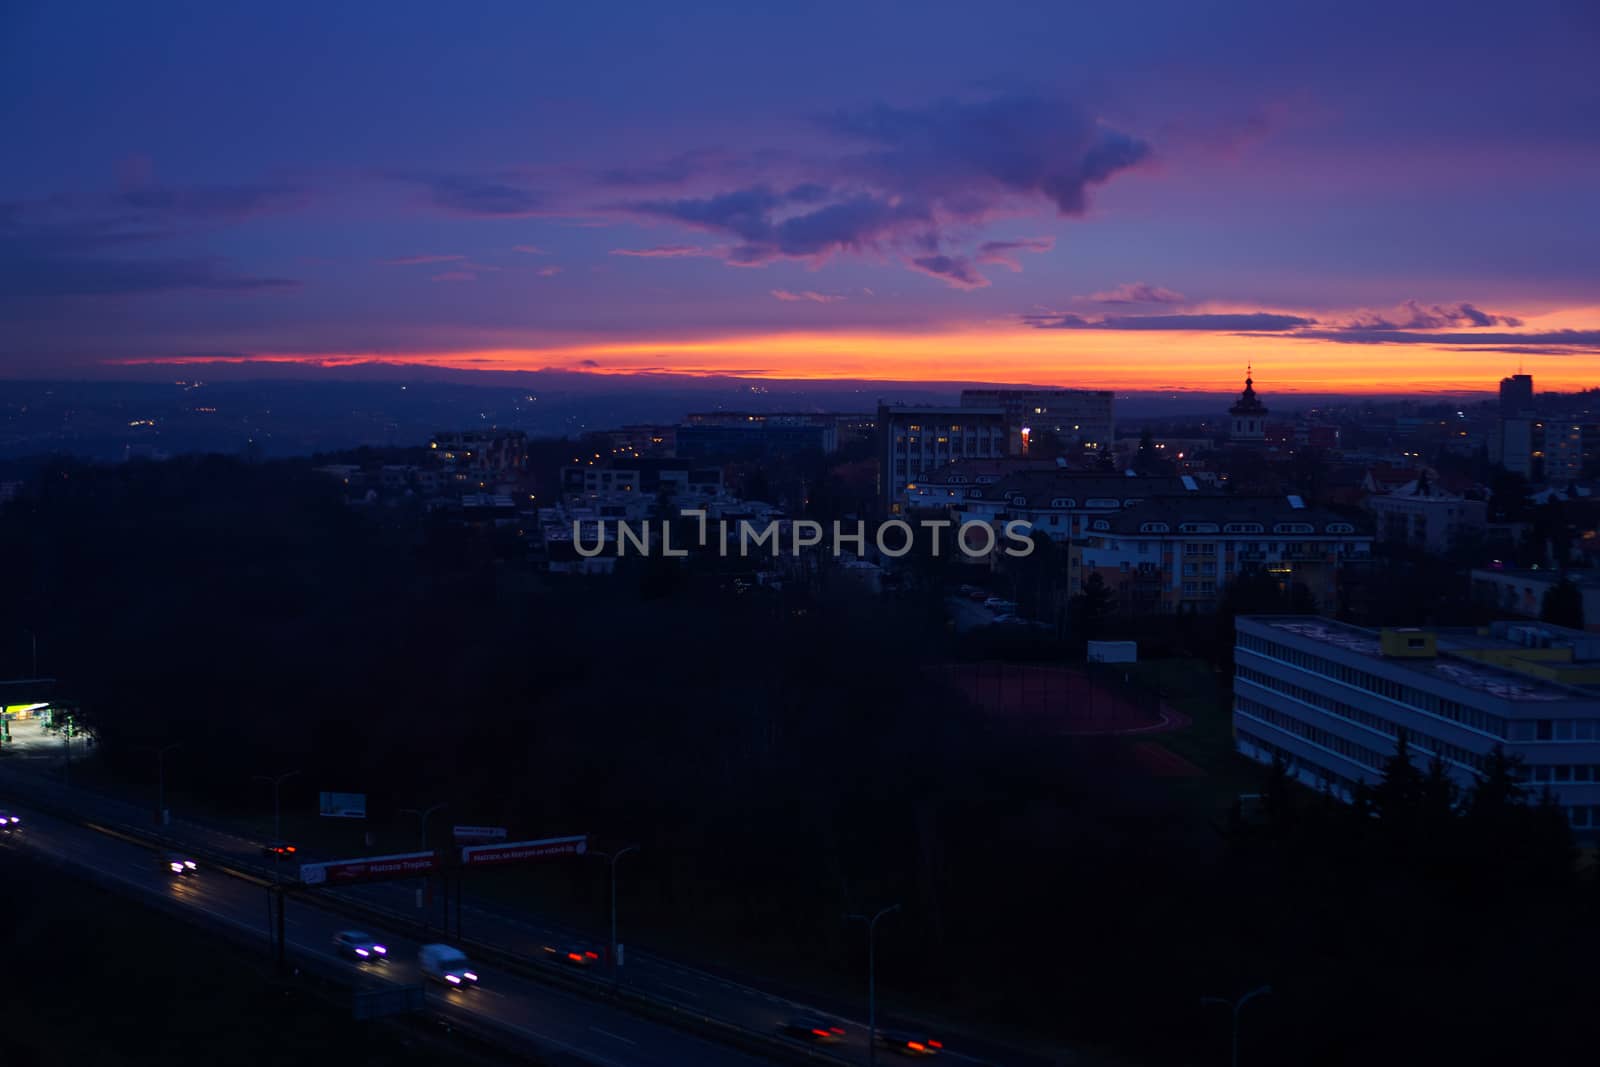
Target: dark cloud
[1414, 316]
[954, 270]
[770, 225]
[226, 202]
[1136, 293]
[1004, 253]
[494, 196]
[75, 257]
[967, 151]
[1250, 321]
[72, 276]
[1469, 341]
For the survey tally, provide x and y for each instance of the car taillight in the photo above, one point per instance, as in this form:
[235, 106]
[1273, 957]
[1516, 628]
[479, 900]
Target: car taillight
[819, 1033]
[592, 955]
[836, 1030]
[936, 1044]
[575, 957]
[916, 1046]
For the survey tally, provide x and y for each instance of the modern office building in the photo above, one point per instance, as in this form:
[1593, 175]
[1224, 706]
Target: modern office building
[1082, 417]
[1514, 444]
[1331, 700]
[915, 440]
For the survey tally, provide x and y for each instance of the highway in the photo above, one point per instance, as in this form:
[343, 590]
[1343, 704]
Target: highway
[697, 992]
[540, 1018]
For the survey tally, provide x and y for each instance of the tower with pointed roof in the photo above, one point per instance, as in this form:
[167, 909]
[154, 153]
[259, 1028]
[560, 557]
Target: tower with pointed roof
[1249, 415]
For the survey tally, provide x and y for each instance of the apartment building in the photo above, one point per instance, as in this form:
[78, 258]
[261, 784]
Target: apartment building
[1332, 699]
[1177, 554]
[1062, 504]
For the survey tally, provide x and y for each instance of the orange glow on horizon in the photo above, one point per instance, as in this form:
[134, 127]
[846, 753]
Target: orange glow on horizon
[1105, 359]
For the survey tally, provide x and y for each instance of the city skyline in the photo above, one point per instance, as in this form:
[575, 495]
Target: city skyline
[1143, 200]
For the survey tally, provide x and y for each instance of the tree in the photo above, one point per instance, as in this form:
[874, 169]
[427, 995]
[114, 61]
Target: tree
[1091, 607]
[1563, 605]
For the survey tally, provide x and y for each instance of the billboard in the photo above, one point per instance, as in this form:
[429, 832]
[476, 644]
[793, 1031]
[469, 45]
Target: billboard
[344, 805]
[546, 848]
[479, 833]
[369, 868]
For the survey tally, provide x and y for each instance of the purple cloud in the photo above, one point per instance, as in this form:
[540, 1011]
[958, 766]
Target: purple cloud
[409, 261]
[1256, 321]
[1414, 316]
[1004, 253]
[1136, 293]
[494, 196]
[665, 252]
[953, 270]
[807, 294]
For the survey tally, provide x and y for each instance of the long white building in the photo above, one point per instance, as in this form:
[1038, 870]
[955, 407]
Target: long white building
[1331, 699]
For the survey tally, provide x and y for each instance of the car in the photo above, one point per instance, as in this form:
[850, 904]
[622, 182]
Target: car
[447, 964]
[10, 822]
[1000, 603]
[180, 865]
[278, 849]
[816, 1029]
[573, 955]
[359, 945]
[907, 1043]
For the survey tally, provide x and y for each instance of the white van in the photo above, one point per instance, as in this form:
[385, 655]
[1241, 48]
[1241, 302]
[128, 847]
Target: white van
[444, 963]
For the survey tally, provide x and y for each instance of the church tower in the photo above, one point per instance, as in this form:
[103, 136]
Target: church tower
[1249, 425]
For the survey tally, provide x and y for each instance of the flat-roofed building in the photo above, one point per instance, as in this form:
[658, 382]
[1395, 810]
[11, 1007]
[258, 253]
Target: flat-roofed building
[1082, 417]
[917, 440]
[1177, 554]
[1332, 699]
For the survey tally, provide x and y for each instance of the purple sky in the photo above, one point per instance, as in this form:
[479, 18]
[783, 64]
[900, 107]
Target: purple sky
[195, 180]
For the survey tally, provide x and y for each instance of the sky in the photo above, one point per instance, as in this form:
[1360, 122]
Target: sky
[1387, 197]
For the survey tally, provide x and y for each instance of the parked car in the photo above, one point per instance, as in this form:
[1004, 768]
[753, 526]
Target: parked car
[447, 964]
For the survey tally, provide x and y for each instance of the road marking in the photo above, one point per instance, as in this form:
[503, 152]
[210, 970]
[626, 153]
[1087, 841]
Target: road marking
[617, 1037]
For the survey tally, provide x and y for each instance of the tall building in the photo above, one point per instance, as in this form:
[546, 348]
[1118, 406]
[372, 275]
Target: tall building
[1515, 442]
[1081, 417]
[1332, 699]
[1248, 425]
[914, 440]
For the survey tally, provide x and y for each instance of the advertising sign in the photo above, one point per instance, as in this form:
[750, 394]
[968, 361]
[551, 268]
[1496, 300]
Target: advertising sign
[369, 868]
[470, 834]
[344, 805]
[546, 848]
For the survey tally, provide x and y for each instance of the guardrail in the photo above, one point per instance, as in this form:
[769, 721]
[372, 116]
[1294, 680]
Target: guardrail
[678, 1016]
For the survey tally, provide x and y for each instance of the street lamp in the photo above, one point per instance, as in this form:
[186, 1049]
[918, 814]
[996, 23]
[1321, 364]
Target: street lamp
[872, 978]
[277, 809]
[1237, 1005]
[422, 815]
[612, 858]
[161, 781]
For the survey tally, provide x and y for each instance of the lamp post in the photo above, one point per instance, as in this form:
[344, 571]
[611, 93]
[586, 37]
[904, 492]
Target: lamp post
[161, 781]
[423, 814]
[277, 809]
[1236, 1006]
[872, 978]
[612, 858]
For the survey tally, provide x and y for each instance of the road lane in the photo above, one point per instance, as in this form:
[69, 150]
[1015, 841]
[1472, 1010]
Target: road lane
[549, 1019]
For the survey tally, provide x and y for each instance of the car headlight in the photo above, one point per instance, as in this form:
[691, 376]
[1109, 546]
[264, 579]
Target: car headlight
[469, 976]
[452, 979]
[362, 952]
[380, 950]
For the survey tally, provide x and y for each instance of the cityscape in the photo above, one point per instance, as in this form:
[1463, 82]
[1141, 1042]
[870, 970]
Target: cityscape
[718, 537]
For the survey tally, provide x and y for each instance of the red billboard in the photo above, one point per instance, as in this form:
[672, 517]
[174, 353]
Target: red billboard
[546, 848]
[369, 868]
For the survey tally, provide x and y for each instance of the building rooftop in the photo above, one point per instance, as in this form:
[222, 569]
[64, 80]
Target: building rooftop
[1500, 682]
